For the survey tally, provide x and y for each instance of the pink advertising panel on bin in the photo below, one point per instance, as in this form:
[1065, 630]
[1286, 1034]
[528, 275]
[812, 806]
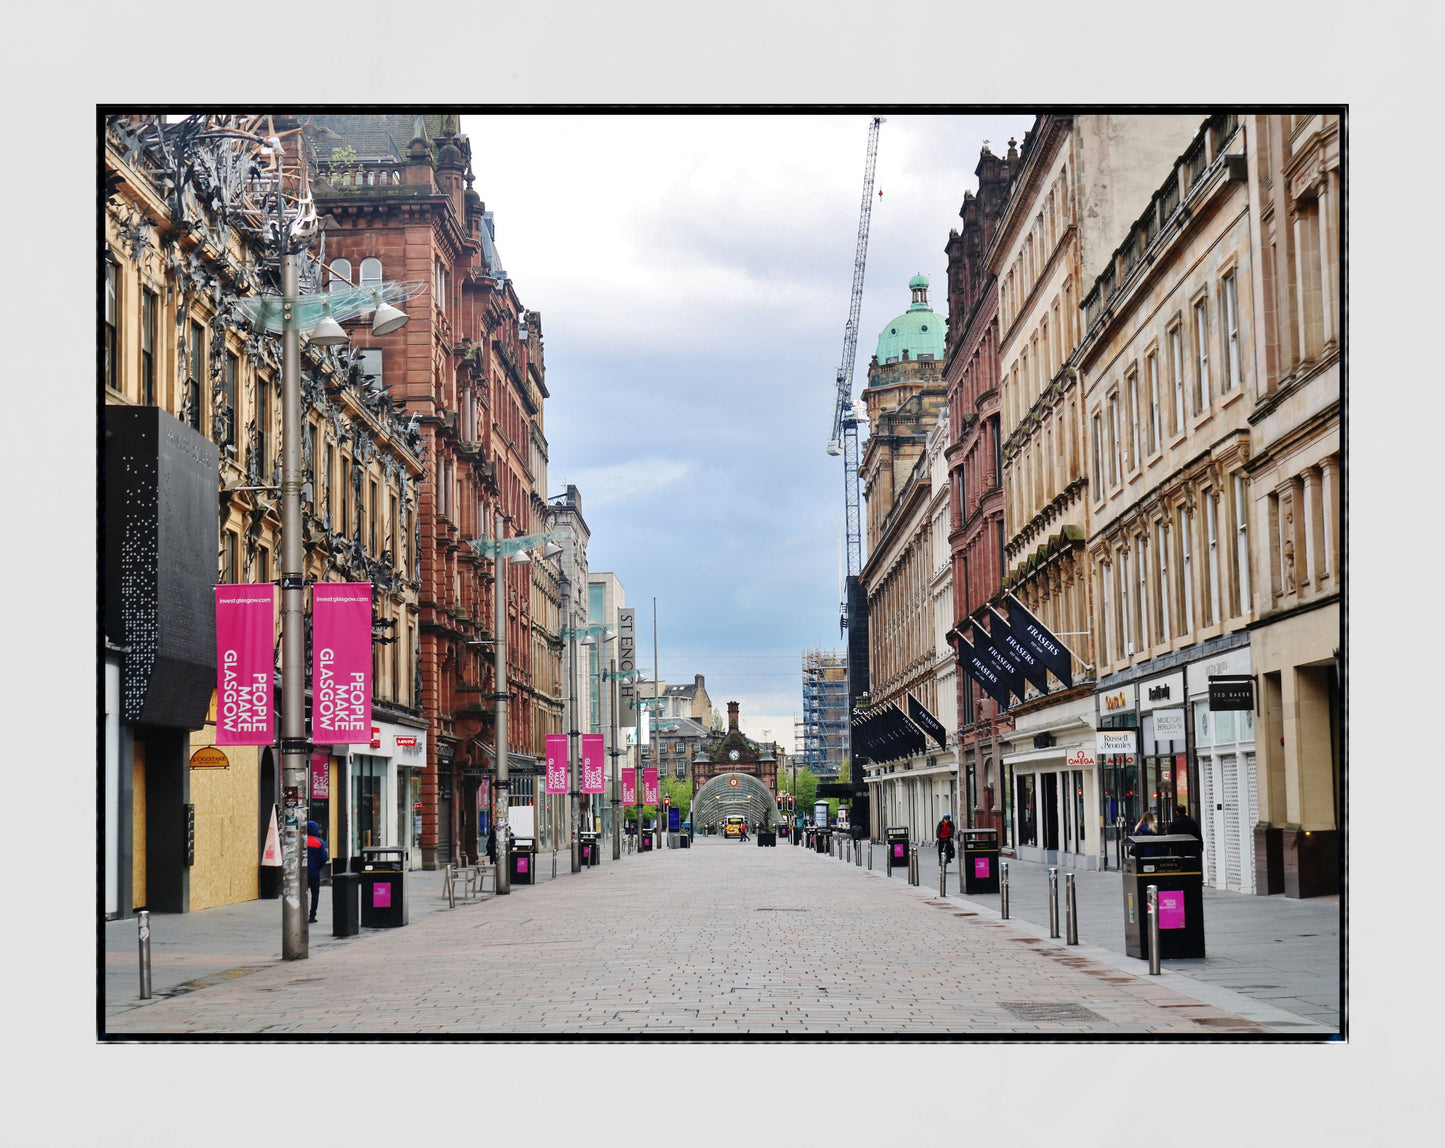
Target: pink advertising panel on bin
[980, 866]
[381, 895]
[245, 638]
[341, 663]
[556, 763]
[592, 763]
[1171, 909]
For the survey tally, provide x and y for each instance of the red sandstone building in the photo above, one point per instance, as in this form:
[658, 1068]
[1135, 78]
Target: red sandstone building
[975, 467]
[468, 368]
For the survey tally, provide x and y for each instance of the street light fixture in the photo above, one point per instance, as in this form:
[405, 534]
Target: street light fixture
[588, 635]
[293, 315]
[515, 551]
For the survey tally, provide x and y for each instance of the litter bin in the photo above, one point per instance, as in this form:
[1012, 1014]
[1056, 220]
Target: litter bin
[587, 847]
[897, 841]
[821, 838]
[1174, 862]
[522, 859]
[644, 843]
[345, 905]
[383, 887]
[684, 840]
[980, 860]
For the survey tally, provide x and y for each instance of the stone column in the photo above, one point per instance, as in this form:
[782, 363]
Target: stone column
[1307, 511]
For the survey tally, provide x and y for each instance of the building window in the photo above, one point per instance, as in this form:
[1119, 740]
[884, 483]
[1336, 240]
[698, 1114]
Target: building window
[228, 386]
[149, 309]
[1098, 424]
[1231, 333]
[228, 556]
[263, 430]
[1211, 527]
[1201, 356]
[1241, 544]
[1142, 605]
[1125, 634]
[371, 273]
[371, 360]
[263, 566]
[112, 324]
[340, 274]
[1114, 445]
[1176, 377]
[197, 359]
[1106, 622]
[1152, 366]
[1186, 569]
[1132, 397]
[1161, 582]
[371, 518]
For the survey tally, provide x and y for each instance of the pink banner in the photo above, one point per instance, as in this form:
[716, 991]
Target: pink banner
[649, 786]
[245, 640]
[320, 776]
[556, 763]
[629, 787]
[341, 663]
[980, 866]
[592, 769]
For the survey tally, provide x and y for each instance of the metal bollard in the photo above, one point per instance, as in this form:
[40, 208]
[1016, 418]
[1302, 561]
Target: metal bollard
[858, 854]
[143, 928]
[870, 856]
[1071, 912]
[1003, 891]
[913, 867]
[1151, 902]
[1053, 901]
[554, 863]
[942, 877]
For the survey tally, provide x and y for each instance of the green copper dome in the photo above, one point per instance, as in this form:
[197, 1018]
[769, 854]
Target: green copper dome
[920, 330]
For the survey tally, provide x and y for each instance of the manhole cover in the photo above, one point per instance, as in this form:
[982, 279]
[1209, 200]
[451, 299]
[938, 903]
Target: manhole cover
[1048, 1011]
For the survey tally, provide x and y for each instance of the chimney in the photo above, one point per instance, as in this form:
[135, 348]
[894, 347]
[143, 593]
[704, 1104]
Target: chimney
[732, 717]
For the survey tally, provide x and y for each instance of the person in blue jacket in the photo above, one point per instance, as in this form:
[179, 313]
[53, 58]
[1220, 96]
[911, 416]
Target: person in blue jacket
[316, 856]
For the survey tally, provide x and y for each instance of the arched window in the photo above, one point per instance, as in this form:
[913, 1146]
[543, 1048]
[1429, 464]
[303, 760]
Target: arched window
[371, 272]
[340, 273]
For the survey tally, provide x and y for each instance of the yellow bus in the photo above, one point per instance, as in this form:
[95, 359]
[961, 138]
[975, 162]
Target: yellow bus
[735, 826]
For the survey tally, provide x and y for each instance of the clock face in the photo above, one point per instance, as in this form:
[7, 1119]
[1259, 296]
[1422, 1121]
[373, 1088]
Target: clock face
[733, 755]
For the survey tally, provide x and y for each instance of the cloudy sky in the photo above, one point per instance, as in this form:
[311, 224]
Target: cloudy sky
[693, 275]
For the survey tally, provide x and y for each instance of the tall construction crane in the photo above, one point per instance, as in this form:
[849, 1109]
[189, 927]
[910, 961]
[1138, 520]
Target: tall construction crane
[845, 419]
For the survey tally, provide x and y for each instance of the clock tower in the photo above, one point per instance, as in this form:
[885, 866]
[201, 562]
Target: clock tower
[737, 755]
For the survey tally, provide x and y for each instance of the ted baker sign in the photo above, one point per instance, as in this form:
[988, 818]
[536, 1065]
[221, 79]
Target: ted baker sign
[245, 629]
[341, 668]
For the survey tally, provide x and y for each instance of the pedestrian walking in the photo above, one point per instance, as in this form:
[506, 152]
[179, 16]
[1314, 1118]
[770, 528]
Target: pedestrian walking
[744, 835]
[1145, 828]
[316, 856]
[1183, 823]
[944, 833]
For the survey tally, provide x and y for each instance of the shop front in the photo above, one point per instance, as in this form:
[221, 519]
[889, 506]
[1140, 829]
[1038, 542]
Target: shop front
[1223, 759]
[385, 790]
[1050, 772]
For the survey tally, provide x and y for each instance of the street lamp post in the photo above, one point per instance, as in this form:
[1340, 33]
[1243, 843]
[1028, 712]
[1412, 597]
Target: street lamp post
[295, 316]
[502, 550]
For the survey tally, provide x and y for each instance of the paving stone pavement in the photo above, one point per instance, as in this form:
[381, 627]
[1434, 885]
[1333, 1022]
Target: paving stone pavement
[718, 940]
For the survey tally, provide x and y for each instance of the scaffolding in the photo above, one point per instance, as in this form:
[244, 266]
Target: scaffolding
[824, 725]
